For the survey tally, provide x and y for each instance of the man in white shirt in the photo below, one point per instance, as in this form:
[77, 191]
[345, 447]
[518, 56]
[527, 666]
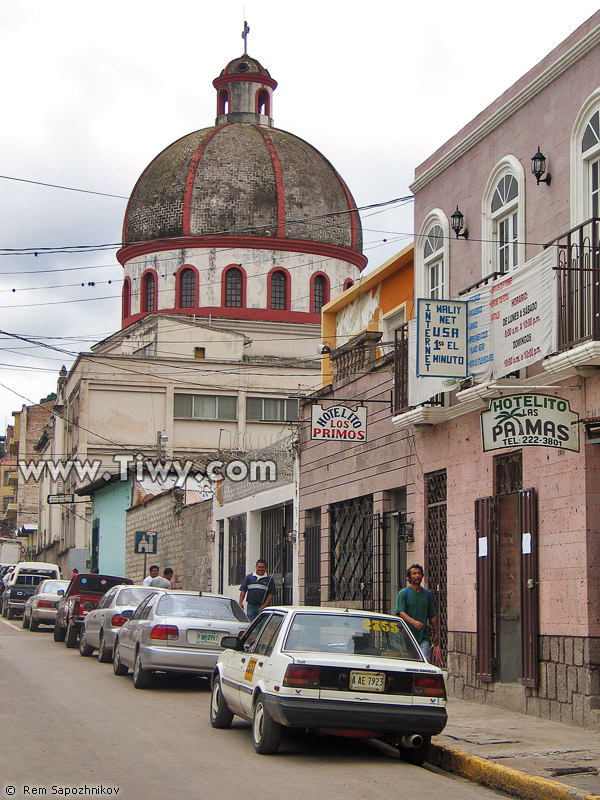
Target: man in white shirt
[154, 570]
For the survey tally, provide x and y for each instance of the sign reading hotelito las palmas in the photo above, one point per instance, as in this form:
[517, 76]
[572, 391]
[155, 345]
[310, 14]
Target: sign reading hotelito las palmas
[442, 338]
[338, 422]
[522, 420]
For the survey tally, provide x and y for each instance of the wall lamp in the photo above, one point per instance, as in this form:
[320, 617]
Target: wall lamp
[323, 349]
[211, 536]
[538, 167]
[291, 536]
[457, 220]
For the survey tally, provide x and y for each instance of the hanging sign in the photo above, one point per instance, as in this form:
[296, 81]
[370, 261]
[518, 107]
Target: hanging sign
[338, 422]
[522, 420]
[442, 338]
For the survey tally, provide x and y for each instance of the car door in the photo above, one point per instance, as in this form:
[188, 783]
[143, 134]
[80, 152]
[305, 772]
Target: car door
[258, 659]
[128, 633]
[93, 621]
[233, 671]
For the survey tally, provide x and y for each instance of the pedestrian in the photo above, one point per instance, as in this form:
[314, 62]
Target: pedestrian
[154, 570]
[260, 588]
[164, 581]
[7, 577]
[416, 607]
[75, 572]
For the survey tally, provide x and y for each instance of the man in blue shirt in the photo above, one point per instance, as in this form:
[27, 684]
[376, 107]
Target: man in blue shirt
[260, 588]
[416, 607]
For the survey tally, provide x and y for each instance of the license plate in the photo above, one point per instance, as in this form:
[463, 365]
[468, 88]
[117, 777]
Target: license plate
[206, 637]
[367, 681]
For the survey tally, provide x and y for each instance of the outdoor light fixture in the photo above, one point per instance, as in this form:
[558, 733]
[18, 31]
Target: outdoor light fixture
[291, 536]
[323, 349]
[538, 167]
[210, 536]
[457, 222]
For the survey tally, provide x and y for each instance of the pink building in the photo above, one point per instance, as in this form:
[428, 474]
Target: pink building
[512, 532]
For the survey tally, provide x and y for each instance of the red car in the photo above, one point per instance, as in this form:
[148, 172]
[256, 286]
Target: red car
[81, 596]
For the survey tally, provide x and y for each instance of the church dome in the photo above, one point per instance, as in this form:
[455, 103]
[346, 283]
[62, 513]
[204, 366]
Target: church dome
[243, 181]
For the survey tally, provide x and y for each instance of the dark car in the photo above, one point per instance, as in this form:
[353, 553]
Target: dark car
[82, 595]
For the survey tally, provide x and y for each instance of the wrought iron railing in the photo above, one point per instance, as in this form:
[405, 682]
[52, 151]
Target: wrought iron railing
[578, 266]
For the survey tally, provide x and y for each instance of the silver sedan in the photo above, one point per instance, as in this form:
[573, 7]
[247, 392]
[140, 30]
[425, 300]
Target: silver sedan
[175, 631]
[40, 608]
[102, 623]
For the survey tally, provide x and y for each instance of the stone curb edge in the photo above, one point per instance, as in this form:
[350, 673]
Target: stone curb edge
[496, 776]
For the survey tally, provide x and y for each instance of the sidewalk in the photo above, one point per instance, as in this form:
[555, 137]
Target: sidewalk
[527, 757]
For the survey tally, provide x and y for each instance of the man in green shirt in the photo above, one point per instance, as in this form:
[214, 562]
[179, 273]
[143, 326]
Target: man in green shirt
[416, 607]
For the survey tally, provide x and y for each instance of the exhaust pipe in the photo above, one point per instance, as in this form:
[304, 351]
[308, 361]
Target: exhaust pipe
[412, 741]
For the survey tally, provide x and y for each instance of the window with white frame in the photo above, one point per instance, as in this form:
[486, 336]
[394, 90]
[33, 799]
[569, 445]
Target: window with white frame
[590, 150]
[505, 202]
[204, 406]
[433, 257]
[271, 409]
[391, 323]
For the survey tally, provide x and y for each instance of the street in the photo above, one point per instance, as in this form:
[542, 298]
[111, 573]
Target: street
[68, 723]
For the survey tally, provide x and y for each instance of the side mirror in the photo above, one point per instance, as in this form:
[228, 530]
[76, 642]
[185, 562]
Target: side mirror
[60, 592]
[230, 643]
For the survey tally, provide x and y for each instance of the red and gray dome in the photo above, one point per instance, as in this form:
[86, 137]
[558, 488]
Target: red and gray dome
[243, 179]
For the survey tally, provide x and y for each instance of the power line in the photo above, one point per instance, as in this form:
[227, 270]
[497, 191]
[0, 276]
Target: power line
[66, 188]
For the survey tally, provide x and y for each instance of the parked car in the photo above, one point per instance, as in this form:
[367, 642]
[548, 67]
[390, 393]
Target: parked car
[333, 671]
[81, 596]
[23, 582]
[176, 631]
[101, 625]
[40, 609]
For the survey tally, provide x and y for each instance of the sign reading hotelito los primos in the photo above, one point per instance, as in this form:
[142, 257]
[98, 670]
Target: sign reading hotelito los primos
[338, 422]
[442, 338]
[522, 420]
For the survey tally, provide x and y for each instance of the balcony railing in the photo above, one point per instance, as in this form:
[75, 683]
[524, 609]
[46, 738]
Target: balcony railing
[355, 356]
[578, 264]
[401, 369]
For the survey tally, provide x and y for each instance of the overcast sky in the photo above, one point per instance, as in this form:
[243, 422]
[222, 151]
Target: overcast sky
[93, 91]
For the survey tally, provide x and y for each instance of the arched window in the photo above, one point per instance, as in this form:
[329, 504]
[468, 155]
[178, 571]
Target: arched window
[320, 293]
[148, 292]
[590, 151]
[126, 299]
[348, 283]
[433, 258]
[187, 288]
[503, 214]
[234, 288]
[278, 297]
[223, 102]
[263, 103]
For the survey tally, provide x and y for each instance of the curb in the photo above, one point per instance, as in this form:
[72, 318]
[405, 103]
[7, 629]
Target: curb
[496, 776]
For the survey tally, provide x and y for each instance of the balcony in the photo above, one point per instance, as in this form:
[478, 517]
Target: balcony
[13, 477]
[577, 266]
[11, 510]
[356, 356]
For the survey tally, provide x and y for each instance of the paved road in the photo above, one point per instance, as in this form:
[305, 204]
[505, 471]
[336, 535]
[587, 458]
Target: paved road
[68, 722]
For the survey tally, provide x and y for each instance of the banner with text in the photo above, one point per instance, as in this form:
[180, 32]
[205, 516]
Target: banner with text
[523, 420]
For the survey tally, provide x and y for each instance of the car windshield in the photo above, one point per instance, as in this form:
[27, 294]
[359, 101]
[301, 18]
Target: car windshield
[353, 635]
[133, 596]
[190, 605]
[53, 586]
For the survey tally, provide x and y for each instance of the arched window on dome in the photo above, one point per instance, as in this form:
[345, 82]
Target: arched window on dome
[186, 288]
[348, 283]
[263, 103]
[223, 101]
[279, 290]
[148, 292]
[319, 292]
[126, 299]
[234, 289]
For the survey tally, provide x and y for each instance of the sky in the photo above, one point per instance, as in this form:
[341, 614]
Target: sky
[92, 92]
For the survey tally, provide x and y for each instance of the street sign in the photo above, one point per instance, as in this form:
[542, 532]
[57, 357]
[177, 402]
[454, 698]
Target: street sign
[60, 498]
[145, 542]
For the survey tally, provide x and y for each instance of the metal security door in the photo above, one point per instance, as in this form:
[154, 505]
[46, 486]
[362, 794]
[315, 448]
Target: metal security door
[275, 523]
[312, 565]
[529, 587]
[352, 550]
[485, 547]
[435, 553]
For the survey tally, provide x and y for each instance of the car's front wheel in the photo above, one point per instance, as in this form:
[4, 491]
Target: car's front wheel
[141, 676]
[104, 653]
[266, 733]
[71, 636]
[118, 667]
[221, 716]
[416, 755]
[84, 648]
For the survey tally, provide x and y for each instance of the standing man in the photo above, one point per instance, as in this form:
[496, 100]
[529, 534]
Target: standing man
[416, 607]
[164, 581]
[154, 570]
[260, 588]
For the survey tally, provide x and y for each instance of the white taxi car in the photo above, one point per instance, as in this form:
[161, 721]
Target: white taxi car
[344, 672]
